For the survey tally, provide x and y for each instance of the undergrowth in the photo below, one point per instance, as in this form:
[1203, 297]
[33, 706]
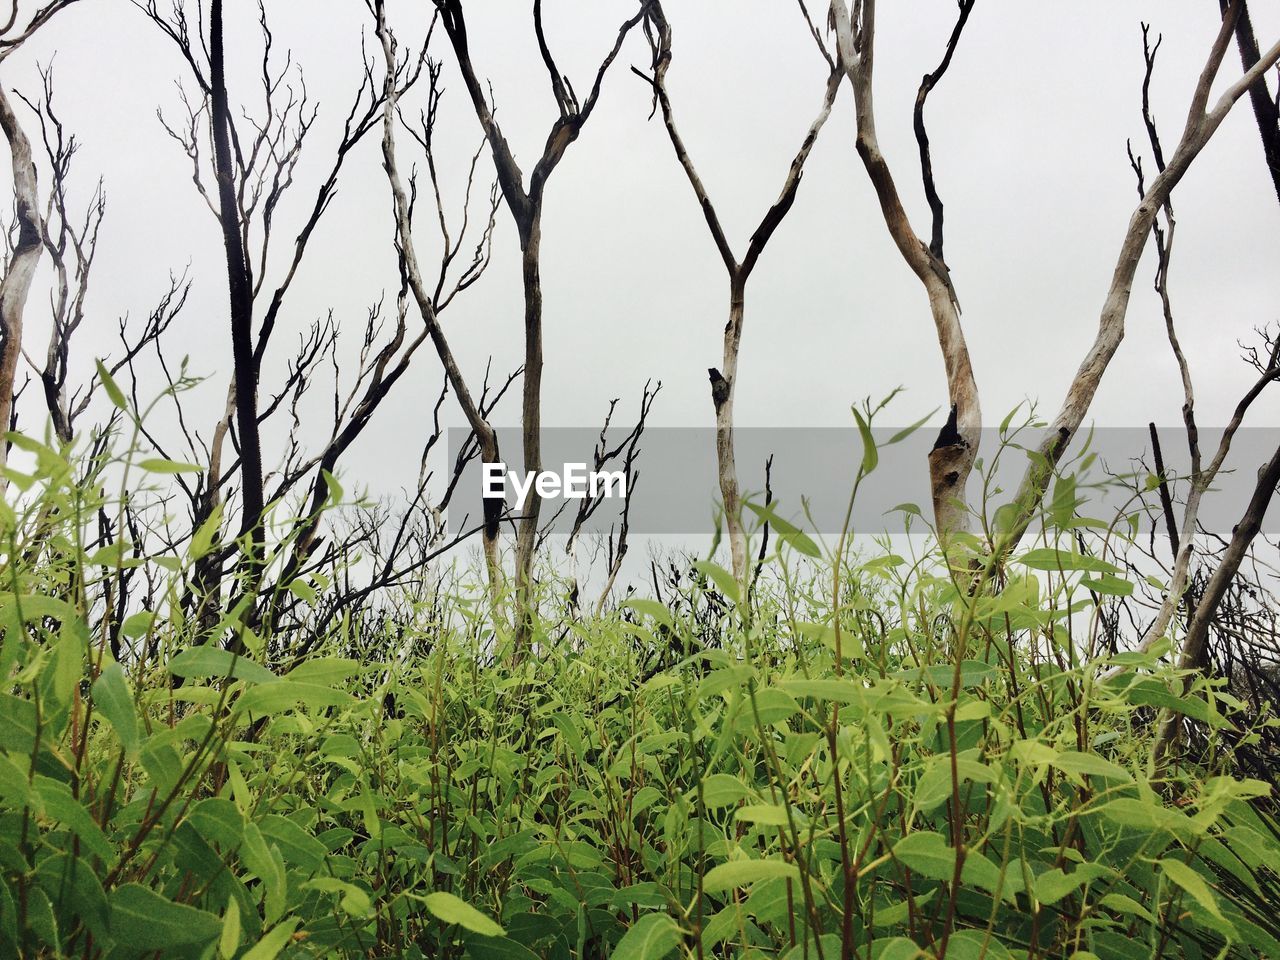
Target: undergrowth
[890, 764]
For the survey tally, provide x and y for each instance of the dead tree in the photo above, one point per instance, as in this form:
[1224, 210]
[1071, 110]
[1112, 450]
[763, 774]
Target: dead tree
[525, 201]
[20, 264]
[1184, 531]
[1266, 109]
[952, 459]
[240, 290]
[253, 165]
[953, 455]
[623, 451]
[72, 245]
[724, 380]
[1204, 613]
[431, 300]
[1202, 122]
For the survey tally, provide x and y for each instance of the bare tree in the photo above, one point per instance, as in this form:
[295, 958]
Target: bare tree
[1204, 612]
[624, 452]
[952, 459]
[430, 300]
[1266, 109]
[1202, 475]
[20, 264]
[724, 380]
[525, 202]
[72, 246]
[953, 455]
[253, 165]
[1202, 122]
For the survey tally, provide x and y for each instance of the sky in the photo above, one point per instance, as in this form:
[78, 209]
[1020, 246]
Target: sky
[1028, 130]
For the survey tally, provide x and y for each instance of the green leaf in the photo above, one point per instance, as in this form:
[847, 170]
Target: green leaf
[972, 673]
[895, 948]
[147, 921]
[326, 671]
[927, 853]
[138, 624]
[1048, 558]
[218, 821]
[335, 488]
[355, 900]
[1090, 764]
[450, 909]
[213, 662]
[768, 707]
[769, 814]
[1108, 585]
[160, 465]
[270, 698]
[229, 941]
[75, 891]
[498, 948]
[570, 732]
[41, 919]
[723, 790]
[1194, 884]
[1154, 693]
[652, 936]
[870, 456]
[113, 391]
[650, 608]
[1147, 815]
[908, 431]
[838, 691]
[975, 945]
[269, 947]
[1052, 885]
[740, 873]
[789, 533]
[202, 540]
[266, 863]
[113, 700]
[14, 786]
[61, 806]
[1063, 505]
[299, 848]
[1127, 906]
[721, 577]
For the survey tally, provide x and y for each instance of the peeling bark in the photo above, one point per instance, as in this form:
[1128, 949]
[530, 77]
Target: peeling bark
[1202, 123]
[952, 458]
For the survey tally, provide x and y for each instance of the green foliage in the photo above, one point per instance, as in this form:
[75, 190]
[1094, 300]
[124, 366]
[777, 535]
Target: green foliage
[959, 782]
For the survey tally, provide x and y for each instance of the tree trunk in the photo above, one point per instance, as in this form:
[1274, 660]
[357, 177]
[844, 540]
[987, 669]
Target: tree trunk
[956, 449]
[1195, 648]
[531, 436]
[241, 300]
[16, 285]
[722, 388]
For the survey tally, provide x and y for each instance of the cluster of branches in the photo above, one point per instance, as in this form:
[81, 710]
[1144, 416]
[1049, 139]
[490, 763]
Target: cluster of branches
[265, 521]
[261, 526]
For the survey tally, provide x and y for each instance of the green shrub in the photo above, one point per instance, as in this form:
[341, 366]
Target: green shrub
[919, 769]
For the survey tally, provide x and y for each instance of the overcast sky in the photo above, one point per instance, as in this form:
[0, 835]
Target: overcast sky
[1028, 132]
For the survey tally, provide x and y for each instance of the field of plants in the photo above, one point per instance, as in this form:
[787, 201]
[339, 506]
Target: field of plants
[866, 757]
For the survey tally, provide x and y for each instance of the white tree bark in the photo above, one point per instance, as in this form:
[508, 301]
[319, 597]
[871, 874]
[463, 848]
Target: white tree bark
[422, 296]
[952, 458]
[1201, 124]
[724, 380]
[15, 287]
